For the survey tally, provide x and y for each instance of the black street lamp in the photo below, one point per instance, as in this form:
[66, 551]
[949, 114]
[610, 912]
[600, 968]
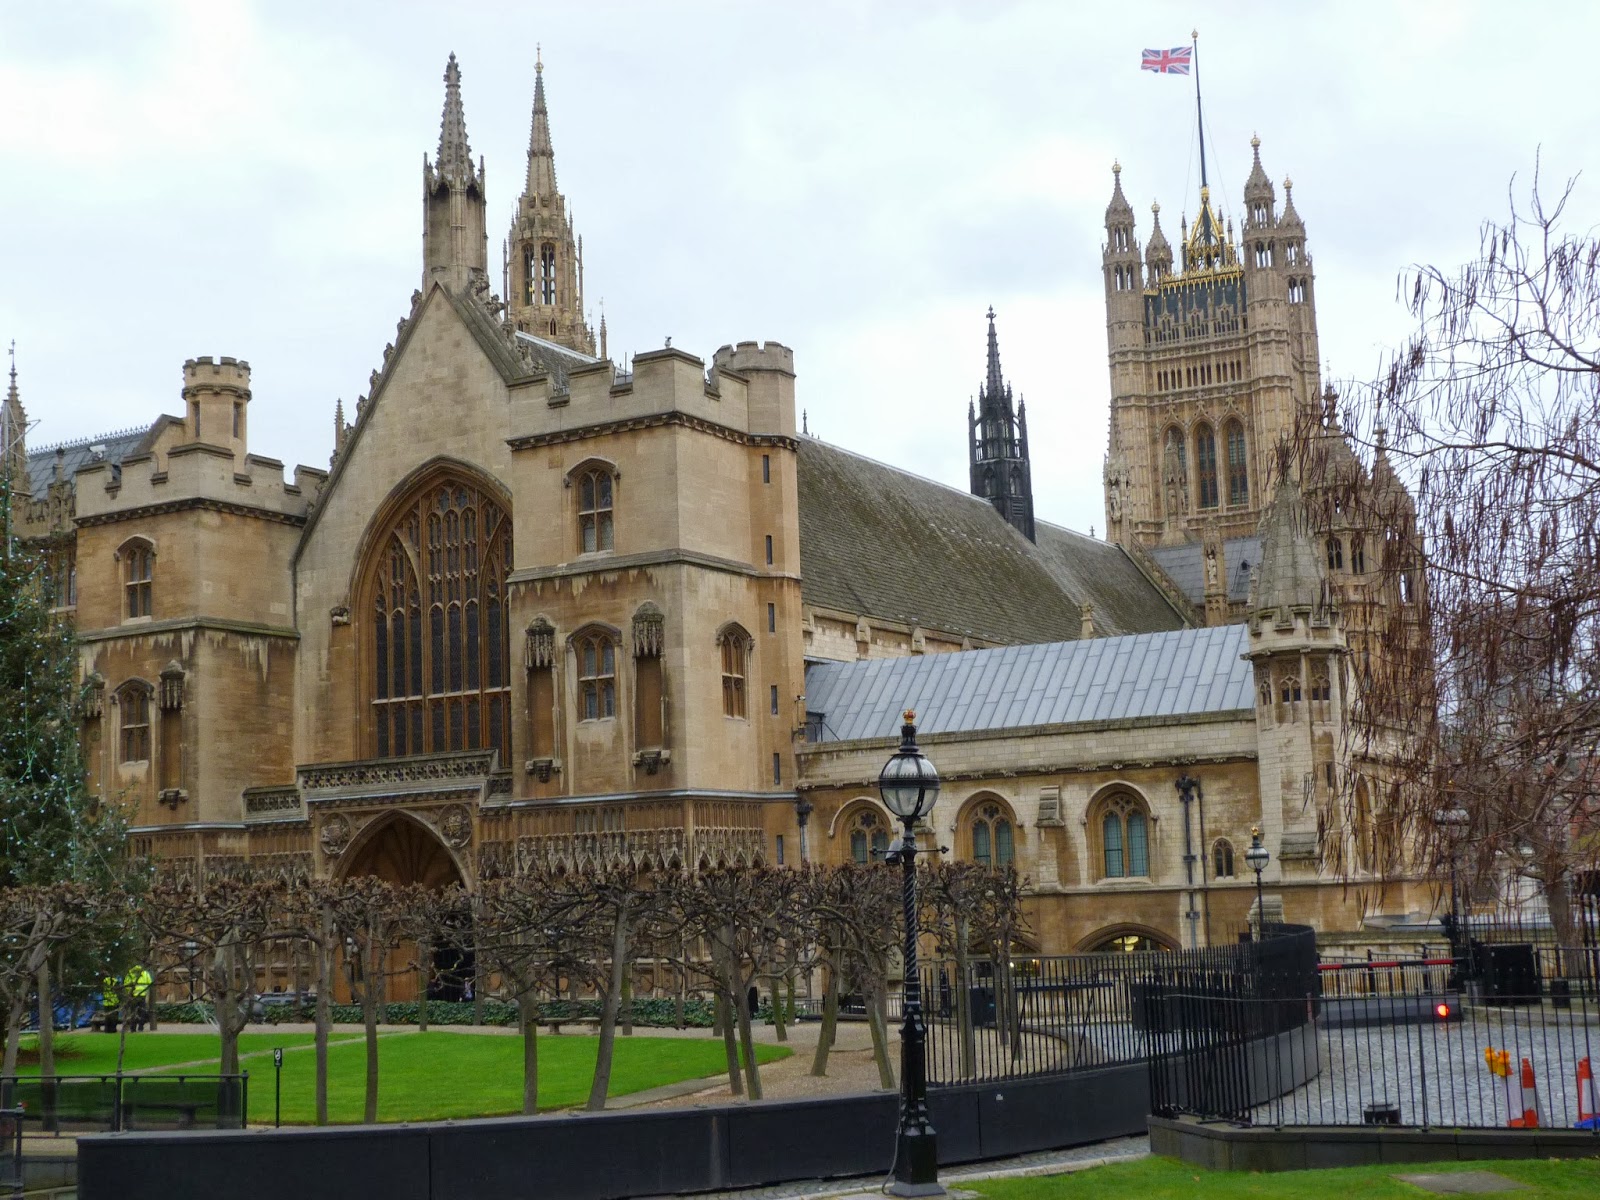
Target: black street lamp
[803, 808]
[1258, 858]
[909, 785]
[1452, 821]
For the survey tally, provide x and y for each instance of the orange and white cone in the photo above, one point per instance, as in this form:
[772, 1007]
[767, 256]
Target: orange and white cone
[1587, 1111]
[1528, 1100]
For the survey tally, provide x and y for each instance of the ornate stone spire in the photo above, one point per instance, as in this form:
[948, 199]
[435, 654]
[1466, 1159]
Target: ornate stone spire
[999, 450]
[541, 154]
[1157, 251]
[13, 428]
[1119, 209]
[455, 154]
[1257, 189]
[1291, 575]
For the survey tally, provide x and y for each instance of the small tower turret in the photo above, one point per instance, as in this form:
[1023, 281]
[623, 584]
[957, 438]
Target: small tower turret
[1158, 251]
[216, 400]
[1123, 277]
[13, 430]
[455, 240]
[998, 439]
[545, 258]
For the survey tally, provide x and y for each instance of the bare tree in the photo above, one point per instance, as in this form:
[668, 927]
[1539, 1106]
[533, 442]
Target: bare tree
[1490, 414]
[35, 920]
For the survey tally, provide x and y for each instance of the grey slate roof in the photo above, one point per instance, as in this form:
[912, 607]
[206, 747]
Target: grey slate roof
[1174, 674]
[888, 544]
[555, 358]
[75, 455]
[1184, 566]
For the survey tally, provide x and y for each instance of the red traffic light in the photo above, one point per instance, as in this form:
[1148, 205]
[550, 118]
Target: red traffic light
[1442, 1011]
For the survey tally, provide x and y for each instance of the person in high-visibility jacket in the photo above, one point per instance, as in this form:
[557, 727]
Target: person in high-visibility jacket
[137, 985]
[110, 1003]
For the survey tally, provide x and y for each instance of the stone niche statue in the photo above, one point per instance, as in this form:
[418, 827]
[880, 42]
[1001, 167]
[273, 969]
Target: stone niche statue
[1174, 476]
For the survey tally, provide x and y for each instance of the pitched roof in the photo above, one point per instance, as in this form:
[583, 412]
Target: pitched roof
[1152, 675]
[75, 455]
[1184, 565]
[885, 543]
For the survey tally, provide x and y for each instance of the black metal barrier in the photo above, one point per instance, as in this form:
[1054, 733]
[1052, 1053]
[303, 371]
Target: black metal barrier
[109, 1103]
[11, 1150]
[606, 1156]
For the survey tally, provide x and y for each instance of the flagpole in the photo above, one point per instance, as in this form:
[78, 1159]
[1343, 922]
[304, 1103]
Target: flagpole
[1194, 36]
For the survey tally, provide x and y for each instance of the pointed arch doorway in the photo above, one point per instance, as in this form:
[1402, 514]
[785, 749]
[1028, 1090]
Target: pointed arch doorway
[401, 850]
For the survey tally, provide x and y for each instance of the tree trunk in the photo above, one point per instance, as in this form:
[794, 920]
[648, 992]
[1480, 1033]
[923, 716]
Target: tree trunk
[14, 1014]
[609, 1004]
[528, 1018]
[47, 1022]
[780, 1028]
[830, 1020]
[424, 957]
[322, 1017]
[880, 1034]
[730, 1047]
[371, 997]
[477, 988]
[752, 1069]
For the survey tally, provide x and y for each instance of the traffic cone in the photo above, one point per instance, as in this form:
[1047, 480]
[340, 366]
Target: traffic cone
[1499, 1064]
[1529, 1100]
[1588, 1118]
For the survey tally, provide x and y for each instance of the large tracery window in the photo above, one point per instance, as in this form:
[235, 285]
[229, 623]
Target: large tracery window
[1205, 458]
[440, 642]
[597, 676]
[1124, 838]
[594, 510]
[1238, 468]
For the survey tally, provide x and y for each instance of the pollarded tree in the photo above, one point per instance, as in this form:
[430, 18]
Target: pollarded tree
[1490, 412]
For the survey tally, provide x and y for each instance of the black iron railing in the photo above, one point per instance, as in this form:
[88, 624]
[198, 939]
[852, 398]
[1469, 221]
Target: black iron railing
[117, 1103]
[1030, 1016]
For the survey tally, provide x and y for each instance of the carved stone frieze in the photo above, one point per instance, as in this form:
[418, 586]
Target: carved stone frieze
[335, 835]
[391, 772]
[455, 825]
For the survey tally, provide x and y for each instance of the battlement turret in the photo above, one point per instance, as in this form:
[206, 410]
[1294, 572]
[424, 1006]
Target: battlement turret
[768, 369]
[216, 398]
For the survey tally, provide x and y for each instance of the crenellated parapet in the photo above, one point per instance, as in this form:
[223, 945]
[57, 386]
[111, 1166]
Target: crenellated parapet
[748, 391]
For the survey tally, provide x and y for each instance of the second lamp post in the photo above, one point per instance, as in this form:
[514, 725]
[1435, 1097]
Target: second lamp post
[909, 785]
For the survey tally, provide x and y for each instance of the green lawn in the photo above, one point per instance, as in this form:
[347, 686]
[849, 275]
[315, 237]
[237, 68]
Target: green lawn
[1163, 1178]
[421, 1076]
[96, 1053]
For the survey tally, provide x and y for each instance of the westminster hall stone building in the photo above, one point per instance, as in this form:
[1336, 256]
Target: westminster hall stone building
[545, 607]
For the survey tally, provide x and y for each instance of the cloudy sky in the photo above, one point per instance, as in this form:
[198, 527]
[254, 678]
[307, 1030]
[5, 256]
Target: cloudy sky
[859, 181]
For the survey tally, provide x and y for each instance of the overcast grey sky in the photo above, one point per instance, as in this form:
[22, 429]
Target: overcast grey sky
[858, 181]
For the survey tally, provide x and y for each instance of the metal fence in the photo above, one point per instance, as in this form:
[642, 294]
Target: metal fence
[116, 1103]
[11, 1151]
[1033, 1016]
[1438, 1062]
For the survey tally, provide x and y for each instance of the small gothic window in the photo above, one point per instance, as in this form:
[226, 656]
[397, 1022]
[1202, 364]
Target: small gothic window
[1263, 255]
[1259, 213]
[138, 566]
[992, 840]
[530, 275]
[1124, 839]
[1297, 291]
[1407, 588]
[133, 702]
[1335, 554]
[597, 677]
[1289, 689]
[1358, 555]
[1321, 688]
[595, 530]
[1238, 468]
[1294, 253]
[769, 549]
[1264, 693]
[547, 274]
[1222, 859]
[735, 643]
[869, 837]
[1205, 458]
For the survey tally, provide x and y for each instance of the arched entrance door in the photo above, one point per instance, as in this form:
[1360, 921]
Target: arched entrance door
[403, 851]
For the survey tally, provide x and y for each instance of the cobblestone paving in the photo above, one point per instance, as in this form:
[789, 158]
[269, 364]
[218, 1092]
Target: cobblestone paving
[1435, 1073]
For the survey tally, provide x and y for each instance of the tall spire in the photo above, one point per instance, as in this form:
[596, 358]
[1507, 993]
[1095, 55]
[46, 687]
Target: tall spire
[455, 155]
[541, 154]
[999, 447]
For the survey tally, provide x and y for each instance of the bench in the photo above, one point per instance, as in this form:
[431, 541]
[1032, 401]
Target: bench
[186, 1110]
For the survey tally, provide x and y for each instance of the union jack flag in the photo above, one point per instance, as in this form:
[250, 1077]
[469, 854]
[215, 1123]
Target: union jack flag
[1166, 62]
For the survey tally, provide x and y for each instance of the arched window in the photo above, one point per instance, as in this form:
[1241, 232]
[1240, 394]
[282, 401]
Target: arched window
[1264, 693]
[1358, 555]
[869, 837]
[596, 653]
[530, 277]
[1124, 829]
[1222, 859]
[133, 706]
[1335, 554]
[1238, 469]
[138, 571]
[1205, 459]
[440, 674]
[1297, 291]
[1289, 687]
[1321, 688]
[547, 274]
[992, 838]
[735, 645]
[1294, 253]
[594, 510]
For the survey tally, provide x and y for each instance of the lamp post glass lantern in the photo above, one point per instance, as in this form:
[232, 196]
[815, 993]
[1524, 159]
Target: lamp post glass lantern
[1258, 857]
[1452, 822]
[909, 785]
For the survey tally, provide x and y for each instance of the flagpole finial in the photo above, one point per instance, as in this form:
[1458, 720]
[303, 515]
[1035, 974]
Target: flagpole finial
[1116, 167]
[1195, 34]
